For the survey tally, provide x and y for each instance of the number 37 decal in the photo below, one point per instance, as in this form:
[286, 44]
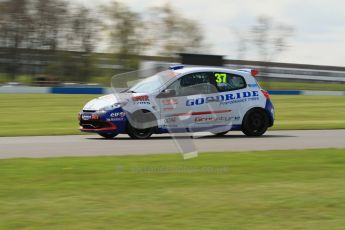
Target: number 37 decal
[220, 77]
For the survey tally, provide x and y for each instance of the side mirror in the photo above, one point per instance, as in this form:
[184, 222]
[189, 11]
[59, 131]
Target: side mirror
[167, 93]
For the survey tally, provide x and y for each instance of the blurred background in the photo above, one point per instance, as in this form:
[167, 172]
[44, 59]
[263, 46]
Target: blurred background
[59, 43]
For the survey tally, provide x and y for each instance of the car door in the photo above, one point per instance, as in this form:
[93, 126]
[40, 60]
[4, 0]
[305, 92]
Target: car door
[232, 91]
[194, 104]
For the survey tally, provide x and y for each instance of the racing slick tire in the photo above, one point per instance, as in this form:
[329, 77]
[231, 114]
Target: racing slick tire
[108, 135]
[144, 125]
[255, 122]
[135, 133]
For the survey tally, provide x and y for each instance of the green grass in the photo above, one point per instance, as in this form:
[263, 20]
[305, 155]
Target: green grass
[309, 112]
[35, 114]
[302, 86]
[259, 190]
[31, 114]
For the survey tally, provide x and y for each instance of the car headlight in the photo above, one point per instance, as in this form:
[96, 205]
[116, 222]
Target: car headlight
[111, 107]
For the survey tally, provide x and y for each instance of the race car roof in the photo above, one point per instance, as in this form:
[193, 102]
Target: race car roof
[187, 70]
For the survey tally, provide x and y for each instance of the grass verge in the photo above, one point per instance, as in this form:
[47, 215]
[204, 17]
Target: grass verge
[40, 114]
[271, 85]
[302, 189]
[309, 112]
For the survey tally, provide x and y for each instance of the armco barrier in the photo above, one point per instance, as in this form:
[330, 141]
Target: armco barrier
[24, 89]
[306, 92]
[100, 90]
[285, 92]
[77, 90]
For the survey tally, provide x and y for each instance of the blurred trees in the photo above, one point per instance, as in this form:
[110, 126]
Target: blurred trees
[15, 27]
[270, 38]
[174, 33]
[37, 33]
[49, 21]
[85, 28]
[124, 27]
[80, 35]
[162, 31]
[58, 40]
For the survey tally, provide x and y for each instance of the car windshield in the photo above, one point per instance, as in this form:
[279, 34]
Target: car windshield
[153, 83]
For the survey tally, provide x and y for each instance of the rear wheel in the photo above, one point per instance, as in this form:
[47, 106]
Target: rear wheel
[255, 123]
[108, 135]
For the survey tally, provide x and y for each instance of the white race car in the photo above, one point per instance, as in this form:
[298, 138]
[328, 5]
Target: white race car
[183, 99]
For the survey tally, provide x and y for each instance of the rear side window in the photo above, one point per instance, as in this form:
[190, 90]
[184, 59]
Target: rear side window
[228, 82]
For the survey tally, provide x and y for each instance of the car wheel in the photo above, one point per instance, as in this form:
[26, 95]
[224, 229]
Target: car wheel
[141, 125]
[108, 135]
[255, 123]
[139, 133]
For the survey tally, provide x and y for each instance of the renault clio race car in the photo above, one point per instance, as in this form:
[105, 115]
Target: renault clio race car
[183, 100]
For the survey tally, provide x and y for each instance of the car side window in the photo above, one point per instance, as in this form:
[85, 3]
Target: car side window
[193, 84]
[228, 82]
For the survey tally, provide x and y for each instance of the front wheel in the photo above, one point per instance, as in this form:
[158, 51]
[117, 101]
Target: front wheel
[141, 124]
[255, 123]
[108, 135]
[139, 133]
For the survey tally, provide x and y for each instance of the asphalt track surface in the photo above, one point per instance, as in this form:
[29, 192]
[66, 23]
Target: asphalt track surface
[93, 145]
